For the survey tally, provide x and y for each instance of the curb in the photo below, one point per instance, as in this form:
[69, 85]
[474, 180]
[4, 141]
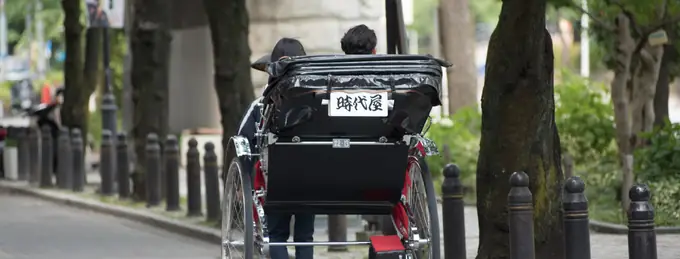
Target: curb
[175, 226]
[606, 227]
[618, 229]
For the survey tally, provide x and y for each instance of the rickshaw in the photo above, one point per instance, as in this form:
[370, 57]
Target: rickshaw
[339, 135]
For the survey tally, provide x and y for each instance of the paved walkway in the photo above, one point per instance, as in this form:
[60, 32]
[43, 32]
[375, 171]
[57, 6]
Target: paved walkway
[33, 229]
[602, 246]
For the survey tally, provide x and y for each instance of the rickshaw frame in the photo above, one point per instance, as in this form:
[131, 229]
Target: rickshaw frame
[396, 44]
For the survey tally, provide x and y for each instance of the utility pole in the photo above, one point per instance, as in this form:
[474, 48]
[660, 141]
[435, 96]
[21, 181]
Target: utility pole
[585, 41]
[40, 38]
[29, 34]
[3, 30]
[108, 108]
[3, 39]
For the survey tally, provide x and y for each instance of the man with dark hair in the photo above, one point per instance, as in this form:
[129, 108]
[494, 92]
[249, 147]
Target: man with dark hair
[359, 40]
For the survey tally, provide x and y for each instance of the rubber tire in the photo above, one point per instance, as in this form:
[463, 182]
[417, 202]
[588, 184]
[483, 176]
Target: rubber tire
[246, 184]
[435, 241]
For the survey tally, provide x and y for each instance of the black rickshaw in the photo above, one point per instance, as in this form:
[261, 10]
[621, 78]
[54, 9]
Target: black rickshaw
[339, 134]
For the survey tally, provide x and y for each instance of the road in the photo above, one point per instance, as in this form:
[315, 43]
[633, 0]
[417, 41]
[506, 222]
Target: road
[36, 229]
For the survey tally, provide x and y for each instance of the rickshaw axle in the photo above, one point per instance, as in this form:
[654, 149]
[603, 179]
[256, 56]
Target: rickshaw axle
[321, 243]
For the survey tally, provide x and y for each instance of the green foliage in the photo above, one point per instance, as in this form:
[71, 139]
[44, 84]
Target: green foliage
[584, 117]
[645, 14]
[51, 14]
[658, 165]
[485, 11]
[460, 133]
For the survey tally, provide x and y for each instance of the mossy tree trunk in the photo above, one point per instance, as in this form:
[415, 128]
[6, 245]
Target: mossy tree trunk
[519, 131]
[74, 111]
[229, 32]
[150, 46]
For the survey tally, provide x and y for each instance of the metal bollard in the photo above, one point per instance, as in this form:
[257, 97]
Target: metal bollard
[453, 213]
[23, 156]
[521, 217]
[35, 156]
[171, 174]
[106, 163]
[212, 184]
[153, 170]
[47, 168]
[337, 232]
[78, 160]
[641, 235]
[575, 218]
[123, 166]
[193, 180]
[64, 167]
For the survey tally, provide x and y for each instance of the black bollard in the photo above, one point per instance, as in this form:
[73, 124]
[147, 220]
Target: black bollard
[78, 158]
[193, 180]
[34, 167]
[212, 184]
[641, 235]
[64, 167]
[23, 156]
[575, 218]
[47, 166]
[453, 213]
[153, 171]
[521, 217]
[337, 232]
[106, 166]
[171, 157]
[123, 166]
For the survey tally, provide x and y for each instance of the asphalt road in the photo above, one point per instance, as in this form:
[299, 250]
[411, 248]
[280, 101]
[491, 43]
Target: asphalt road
[36, 229]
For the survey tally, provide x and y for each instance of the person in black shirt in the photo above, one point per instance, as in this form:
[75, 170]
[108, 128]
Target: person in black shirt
[279, 223]
[359, 40]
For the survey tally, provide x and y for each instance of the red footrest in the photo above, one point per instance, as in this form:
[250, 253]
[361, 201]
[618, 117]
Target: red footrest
[386, 247]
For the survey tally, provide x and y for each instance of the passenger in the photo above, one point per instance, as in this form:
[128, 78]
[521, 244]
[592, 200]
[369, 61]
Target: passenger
[279, 223]
[359, 40]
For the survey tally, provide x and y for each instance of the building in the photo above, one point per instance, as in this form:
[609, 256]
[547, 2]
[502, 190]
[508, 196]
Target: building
[319, 24]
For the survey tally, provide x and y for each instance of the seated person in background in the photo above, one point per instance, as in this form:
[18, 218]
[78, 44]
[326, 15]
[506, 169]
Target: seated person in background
[359, 40]
[279, 223]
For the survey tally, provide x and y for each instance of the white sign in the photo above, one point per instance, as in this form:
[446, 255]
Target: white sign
[358, 104]
[105, 13]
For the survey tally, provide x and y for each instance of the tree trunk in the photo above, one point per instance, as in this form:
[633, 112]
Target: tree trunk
[229, 32]
[458, 46]
[150, 46]
[93, 50]
[519, 131]
[663, 86]
[620, 94]
[74, 111]
[644, 89]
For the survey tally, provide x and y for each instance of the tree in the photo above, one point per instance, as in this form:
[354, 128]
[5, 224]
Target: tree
[667, 73]
[150, 46]
[229, 32]
[625, 27]
[74, 111]
[519, 131]
[458, 46]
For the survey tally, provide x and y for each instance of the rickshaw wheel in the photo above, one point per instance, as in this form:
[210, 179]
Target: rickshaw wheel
[237, 214]
[422, 204]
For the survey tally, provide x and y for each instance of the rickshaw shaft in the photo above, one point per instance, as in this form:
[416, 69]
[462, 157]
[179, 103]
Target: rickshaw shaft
[346, 243]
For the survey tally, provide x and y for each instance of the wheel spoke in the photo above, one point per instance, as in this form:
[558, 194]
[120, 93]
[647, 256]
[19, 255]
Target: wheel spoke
[417, 203]
[233, 216]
